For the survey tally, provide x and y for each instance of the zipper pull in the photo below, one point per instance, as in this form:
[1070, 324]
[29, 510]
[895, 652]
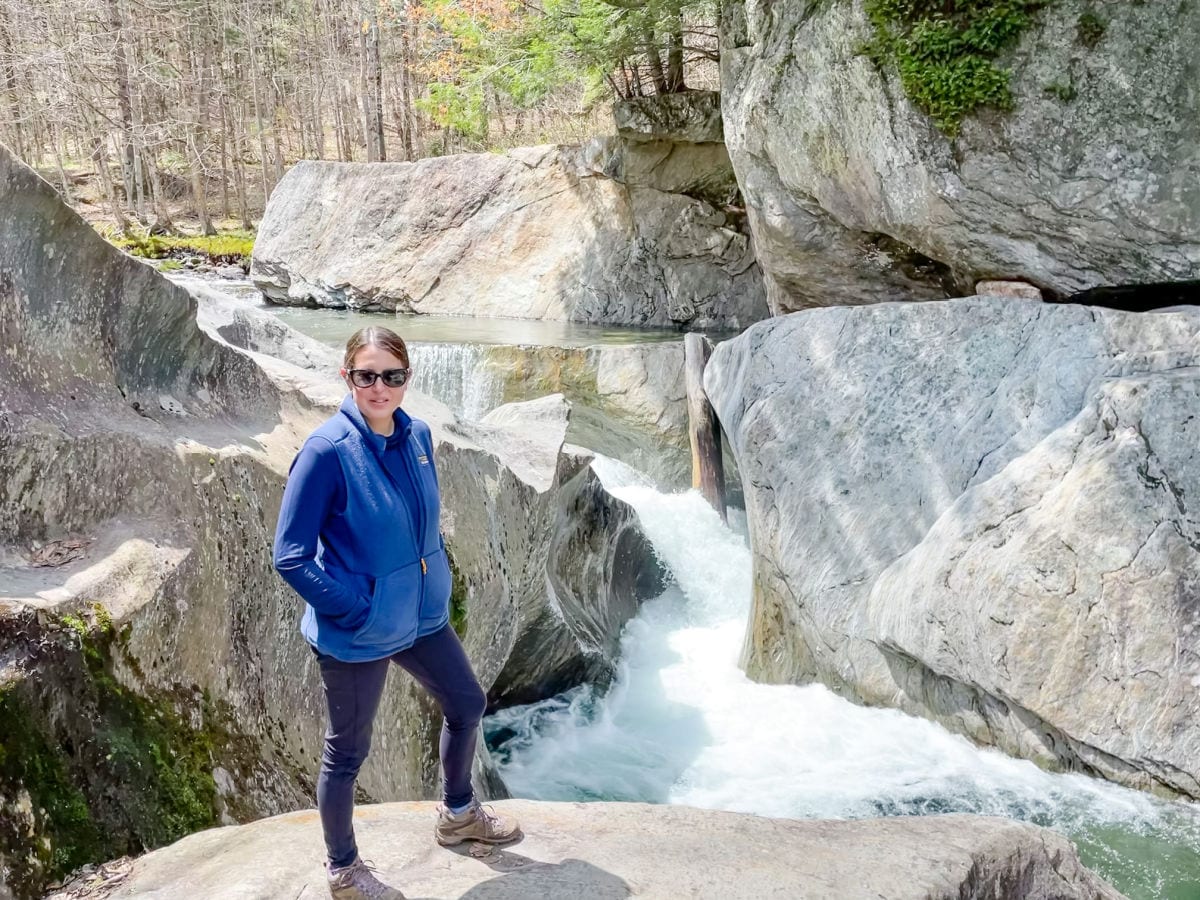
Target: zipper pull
[424, 569]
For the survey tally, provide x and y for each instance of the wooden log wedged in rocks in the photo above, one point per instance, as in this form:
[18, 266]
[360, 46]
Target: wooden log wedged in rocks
[704, 434]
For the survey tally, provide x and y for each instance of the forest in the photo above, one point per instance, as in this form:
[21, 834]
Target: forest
[145, 113]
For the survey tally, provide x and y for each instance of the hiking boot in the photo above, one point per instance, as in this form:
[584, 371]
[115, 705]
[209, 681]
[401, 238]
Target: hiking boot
[475, 824]
[357, 881]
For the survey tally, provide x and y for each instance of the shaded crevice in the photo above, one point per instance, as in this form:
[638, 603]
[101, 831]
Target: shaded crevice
[1138, 297]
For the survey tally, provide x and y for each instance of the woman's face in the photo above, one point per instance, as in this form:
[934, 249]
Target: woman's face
[378, 402]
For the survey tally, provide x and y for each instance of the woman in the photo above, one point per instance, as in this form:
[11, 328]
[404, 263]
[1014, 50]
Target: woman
[358, 539]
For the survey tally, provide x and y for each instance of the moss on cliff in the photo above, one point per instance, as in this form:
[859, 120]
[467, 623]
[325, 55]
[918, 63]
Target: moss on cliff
[90, 769]
[945, 51]
[458, 598]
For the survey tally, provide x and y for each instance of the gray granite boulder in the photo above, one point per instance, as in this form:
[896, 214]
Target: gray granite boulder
[537, 233]
[610, 851]
[854, 195]
[981, 511]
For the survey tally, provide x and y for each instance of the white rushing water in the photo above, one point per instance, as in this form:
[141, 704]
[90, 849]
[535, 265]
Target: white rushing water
[458, 375]
[682, 724]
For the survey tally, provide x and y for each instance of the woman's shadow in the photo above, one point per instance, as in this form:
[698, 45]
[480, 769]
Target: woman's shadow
[523, 878]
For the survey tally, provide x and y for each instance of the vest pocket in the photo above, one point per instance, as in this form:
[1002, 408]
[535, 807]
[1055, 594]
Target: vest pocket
[392, 619]
[436, 599]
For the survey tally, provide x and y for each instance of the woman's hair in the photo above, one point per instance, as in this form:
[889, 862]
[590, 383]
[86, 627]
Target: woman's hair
[375, 336]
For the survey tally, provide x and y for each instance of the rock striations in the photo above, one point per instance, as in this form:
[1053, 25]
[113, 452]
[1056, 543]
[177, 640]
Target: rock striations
[152, 677]
[982, 511]
[536, 233]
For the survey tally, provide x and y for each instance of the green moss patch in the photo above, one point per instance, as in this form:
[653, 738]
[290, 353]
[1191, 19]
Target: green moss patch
[230, 248]
[89, 769]
[945, 51]
[458, 599]
[1090, 29]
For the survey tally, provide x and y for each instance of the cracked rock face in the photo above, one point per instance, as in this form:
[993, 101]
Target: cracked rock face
[1101, 188]
[538, 233]
[982, 511]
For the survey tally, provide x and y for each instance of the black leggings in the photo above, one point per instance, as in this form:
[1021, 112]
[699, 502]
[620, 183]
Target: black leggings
[352, 692]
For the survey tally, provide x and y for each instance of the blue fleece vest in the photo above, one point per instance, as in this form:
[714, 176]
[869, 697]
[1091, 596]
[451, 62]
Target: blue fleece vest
[386, 543]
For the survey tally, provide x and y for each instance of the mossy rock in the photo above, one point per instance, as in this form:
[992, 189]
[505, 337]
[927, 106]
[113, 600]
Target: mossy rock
[945, 51]
[89, 768]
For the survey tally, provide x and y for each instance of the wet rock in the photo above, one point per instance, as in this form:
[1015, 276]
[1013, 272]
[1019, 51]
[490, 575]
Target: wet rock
[554, 569]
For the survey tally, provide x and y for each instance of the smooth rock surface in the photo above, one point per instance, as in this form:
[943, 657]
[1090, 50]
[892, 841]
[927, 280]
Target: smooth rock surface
[982, 511]
[535, 233]
[609, 851]
[1101, 188]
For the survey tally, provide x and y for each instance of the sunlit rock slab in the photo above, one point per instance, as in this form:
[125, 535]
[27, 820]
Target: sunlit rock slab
[609, 851]
[1092, 178]
[536, 233]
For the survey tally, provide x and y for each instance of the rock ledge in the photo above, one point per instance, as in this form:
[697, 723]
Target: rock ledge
[606, 851]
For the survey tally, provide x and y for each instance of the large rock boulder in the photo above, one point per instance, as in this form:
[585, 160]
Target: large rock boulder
[982, 511]
[541, 547]
[601, 851]
[152, 677]
[627, 401]
[535, 233]
[853, 192]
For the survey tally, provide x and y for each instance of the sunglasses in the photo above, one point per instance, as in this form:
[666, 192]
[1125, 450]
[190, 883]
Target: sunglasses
[392, 378]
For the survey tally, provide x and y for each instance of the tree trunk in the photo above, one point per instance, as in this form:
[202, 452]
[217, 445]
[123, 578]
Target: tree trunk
[256, 95]
[406, 115]
[224, 149]
[58, 160]
[371, 81]
[12, 99]
[675, 83]
[704, 432]
[650, 48]
[197, 134]
[141, 164]
[124, 101]
[100, 158]
[162, 223]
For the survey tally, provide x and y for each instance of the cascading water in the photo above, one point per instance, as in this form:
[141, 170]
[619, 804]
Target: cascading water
[458, 375]
[682, 724]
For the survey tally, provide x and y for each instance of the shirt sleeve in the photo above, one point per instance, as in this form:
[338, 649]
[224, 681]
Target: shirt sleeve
[315, 490]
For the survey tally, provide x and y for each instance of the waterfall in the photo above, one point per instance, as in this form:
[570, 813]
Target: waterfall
[458, 375]
[682, 724]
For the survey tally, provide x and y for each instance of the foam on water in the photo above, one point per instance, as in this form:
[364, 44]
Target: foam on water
[683, 724]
